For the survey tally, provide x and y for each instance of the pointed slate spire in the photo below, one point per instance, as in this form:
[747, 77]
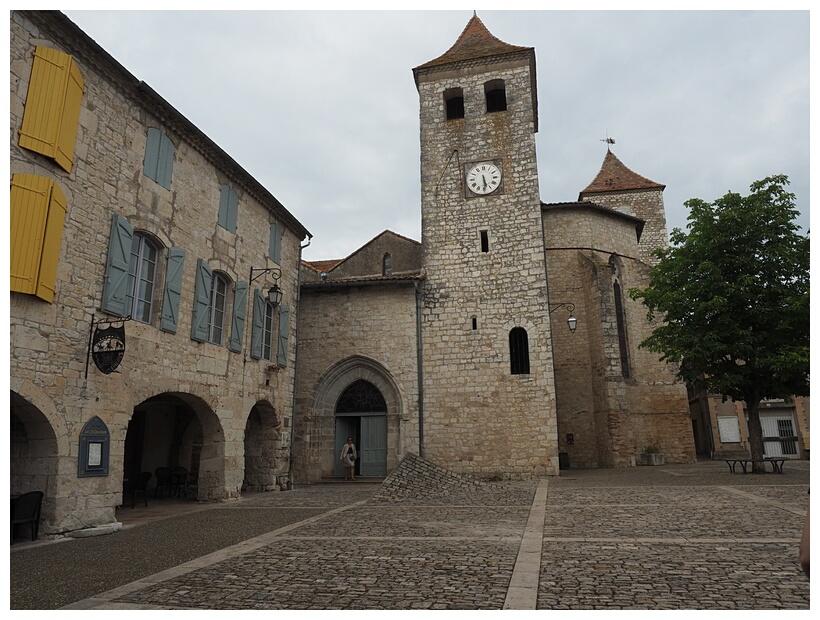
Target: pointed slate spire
[615, 177]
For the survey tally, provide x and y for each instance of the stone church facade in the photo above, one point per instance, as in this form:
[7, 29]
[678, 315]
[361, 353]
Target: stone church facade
[247, 367]
[465, 336]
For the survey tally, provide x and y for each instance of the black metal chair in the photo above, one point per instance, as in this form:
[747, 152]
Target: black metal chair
[140, 485]
[180, 482]
[26, 509]
[165, 480]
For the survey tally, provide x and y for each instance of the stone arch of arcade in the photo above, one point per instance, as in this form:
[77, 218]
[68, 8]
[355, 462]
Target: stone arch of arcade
[266, 450]
[334, 425]
[37, 438]
[177, 430]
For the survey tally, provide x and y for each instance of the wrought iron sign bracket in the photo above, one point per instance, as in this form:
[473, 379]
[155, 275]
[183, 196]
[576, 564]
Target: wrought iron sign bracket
[107, 346]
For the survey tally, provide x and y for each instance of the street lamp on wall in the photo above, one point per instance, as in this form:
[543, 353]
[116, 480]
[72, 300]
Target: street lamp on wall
[572, 322]
[274, 292]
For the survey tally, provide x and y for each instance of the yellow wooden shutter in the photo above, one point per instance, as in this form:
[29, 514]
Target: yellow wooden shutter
[38, 208]
[53, 103]
[29, 210]
[67, 136]
[46, 283]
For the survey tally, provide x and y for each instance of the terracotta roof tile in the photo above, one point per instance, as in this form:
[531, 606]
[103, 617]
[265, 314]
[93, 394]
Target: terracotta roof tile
[615, 177]
[475, 42]
[322, 266]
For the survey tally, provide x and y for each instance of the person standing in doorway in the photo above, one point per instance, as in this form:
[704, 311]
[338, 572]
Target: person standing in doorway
[349, 458]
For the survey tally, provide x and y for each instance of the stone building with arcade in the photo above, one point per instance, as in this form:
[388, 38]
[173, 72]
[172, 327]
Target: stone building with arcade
[122, 209]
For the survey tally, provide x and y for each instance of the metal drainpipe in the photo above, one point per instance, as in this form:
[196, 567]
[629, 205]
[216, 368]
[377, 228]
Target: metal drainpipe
[295, 363]
[419, 370]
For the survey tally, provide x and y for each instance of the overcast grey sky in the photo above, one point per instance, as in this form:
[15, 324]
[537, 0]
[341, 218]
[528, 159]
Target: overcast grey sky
[321, 106]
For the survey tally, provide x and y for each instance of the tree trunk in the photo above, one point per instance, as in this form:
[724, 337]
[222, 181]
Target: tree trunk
[755, 435]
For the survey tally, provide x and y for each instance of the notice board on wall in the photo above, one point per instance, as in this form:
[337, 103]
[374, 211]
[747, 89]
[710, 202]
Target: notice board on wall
[729, 429]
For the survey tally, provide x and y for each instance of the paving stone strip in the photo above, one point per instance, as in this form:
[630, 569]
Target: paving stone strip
[523, 589]
[105, 599]
[758, 498]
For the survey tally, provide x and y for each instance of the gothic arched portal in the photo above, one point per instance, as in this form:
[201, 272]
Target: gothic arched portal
[361, 413]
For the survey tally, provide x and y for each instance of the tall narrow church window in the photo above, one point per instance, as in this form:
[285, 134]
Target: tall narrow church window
[475, 323]
[496, 94]
[454, 103]
[387, 264]
[619, 314]
[619, 317]
[519, 352]
[485, 240]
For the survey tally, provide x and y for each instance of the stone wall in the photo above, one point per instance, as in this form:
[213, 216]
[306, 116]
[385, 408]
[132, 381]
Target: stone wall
[479, 418]
[646, 204]
[608, 414]
[49, 340]
[346, 333]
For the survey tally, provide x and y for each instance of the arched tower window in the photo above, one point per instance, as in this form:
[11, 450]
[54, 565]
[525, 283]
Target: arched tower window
[496, 93]
[454, 103]
[519, 352]
[619, 316]
[387, 264]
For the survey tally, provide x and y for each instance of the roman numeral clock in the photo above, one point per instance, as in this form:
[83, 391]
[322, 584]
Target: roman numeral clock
[483, 178]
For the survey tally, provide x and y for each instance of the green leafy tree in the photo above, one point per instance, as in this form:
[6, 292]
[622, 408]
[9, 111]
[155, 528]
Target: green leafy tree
[733, 297]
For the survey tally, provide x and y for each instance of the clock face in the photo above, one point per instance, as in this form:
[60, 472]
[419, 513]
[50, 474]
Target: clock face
[484, 178]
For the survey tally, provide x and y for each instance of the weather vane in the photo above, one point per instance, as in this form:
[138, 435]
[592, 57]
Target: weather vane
[608, 140]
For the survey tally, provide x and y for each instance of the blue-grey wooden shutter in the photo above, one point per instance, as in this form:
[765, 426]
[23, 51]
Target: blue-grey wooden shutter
[173, 290]
[275, 243]
[115, 287]
[159, 157]
[166, 161]
[258, 329]
[228, 206]
[240, 298]
[149, 165]
[284, 320]
[202, 301]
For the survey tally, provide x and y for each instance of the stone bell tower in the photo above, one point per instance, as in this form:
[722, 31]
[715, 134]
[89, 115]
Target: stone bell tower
[488, 389]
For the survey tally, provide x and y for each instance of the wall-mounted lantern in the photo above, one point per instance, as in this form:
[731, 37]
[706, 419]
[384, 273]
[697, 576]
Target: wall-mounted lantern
[572, 322]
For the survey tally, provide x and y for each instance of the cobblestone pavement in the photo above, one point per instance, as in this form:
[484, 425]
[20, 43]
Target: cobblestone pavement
[672, 537]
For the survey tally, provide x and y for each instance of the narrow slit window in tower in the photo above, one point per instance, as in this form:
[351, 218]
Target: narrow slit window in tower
[485, 241]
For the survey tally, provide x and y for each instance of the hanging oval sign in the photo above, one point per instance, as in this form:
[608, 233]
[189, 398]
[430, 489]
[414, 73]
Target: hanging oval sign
[108, 348]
